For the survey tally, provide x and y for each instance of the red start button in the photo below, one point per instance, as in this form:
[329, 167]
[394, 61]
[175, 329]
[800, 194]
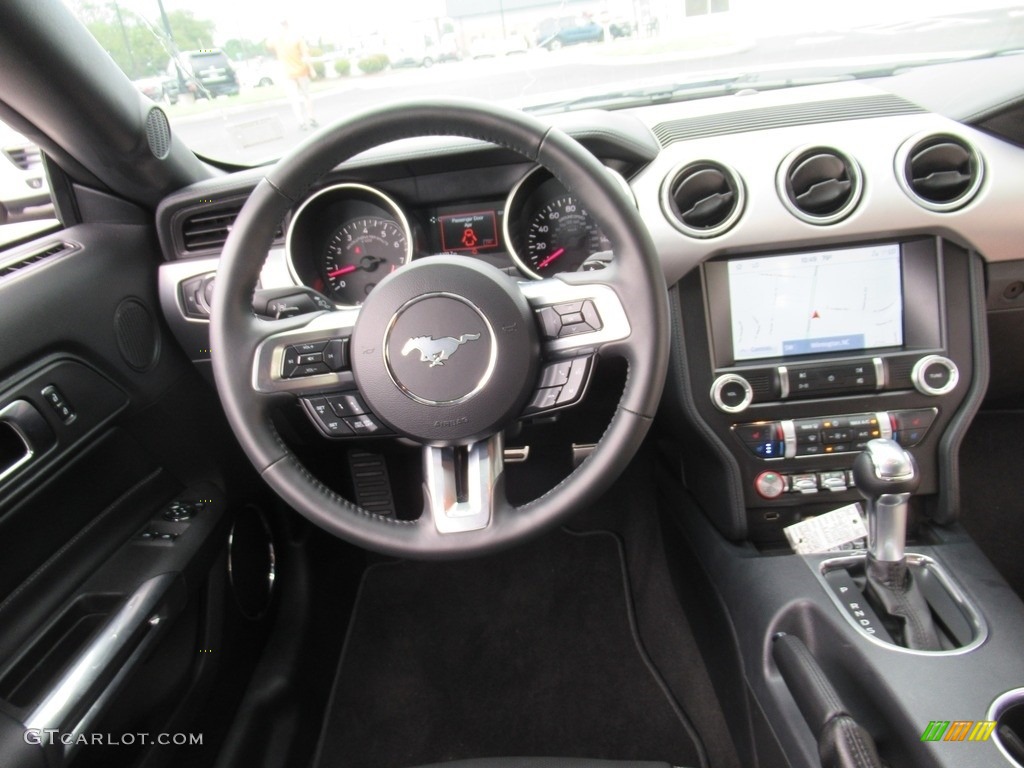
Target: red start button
[770, 485]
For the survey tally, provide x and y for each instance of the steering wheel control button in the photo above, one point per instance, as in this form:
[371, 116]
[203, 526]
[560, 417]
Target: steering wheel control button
[555, 374]
[313, 357]
[935, 375]
[448, 364]
[346, 405]
[364, 425]
[324, 417]
[770, 485]
[731, 393]
[335, 354]
[577, 383]
[445, 350]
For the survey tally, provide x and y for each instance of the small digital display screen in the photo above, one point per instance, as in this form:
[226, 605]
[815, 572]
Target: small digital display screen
[471, 232]
[816, 303]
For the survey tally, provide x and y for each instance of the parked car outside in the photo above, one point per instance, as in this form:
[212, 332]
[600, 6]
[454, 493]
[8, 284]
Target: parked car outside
[208, 73]
[568, 30]
[491, 47]
[23, 184]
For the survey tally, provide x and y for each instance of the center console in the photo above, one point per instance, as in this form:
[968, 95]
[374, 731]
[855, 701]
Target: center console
[787, 364]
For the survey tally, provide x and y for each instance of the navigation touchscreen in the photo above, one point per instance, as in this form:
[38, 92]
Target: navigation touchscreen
[815, 303]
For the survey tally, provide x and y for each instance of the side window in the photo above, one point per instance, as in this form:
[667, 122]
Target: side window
[25, 205]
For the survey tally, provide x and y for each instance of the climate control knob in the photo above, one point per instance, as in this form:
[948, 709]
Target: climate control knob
[731, 393]
[935, 375]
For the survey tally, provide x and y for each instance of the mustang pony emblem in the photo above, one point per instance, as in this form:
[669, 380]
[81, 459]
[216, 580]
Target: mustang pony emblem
[436, 351]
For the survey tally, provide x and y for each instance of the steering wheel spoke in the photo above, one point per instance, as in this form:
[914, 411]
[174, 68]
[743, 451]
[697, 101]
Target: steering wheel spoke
[304, 359]
[464, 484]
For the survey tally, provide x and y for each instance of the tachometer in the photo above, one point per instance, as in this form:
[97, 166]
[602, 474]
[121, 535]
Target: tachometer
[359, 254]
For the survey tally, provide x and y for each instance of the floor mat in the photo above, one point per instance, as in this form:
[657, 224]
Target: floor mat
[529, 652]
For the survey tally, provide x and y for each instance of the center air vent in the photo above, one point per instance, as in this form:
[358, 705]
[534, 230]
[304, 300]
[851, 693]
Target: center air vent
[819, 185]
[703, 198]
[940, 172]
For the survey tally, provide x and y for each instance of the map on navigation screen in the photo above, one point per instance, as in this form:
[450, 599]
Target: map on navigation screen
[811, 303]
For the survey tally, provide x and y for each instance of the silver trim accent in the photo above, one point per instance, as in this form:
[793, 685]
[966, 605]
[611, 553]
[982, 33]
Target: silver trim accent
[974, 618]
[884, 425]
[887, 527]
[856, 181]
[266, 368]
[96, 659]
[491, 362]
[484, 468]
[731, 378]
[900, 167]
[789, 438]
[5, 413]
[388, 204]
[1002, 703]
[783, 382]
[520, 262]
[879, 372]
[615, 324]
[917, 375]
[516, 455]
[665, 196]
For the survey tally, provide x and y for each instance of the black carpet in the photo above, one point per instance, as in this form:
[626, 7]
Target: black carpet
[529, 652]
[991, 459]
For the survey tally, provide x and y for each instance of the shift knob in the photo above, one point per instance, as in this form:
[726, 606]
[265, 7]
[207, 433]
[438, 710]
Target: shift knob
[885, 475]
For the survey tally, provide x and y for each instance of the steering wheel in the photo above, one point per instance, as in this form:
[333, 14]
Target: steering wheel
[447, 351]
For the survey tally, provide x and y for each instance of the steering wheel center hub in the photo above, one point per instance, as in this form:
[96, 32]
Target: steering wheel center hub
[440, 349]
[446, 350]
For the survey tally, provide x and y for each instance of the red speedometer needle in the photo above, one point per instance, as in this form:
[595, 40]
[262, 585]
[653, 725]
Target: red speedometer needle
[551, 258]
[343, 270]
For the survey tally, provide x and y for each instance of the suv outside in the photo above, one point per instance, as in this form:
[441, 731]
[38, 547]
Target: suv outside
[568, 30]
[207, 73]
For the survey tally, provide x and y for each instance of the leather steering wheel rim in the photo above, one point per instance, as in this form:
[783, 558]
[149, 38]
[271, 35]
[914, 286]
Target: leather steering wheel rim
[634, 274]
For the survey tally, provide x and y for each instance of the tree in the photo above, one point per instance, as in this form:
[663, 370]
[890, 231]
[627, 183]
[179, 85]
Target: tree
[138, 45]
[239, 49]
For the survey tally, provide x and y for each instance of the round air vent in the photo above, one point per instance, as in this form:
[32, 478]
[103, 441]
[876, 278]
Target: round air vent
[939, 171]
[819, 185]
[702, 199]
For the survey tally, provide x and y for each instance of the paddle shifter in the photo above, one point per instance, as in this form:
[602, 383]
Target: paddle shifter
[886, 475]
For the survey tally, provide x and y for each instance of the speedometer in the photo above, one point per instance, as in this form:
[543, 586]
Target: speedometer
[547, 229]
[561, 236]
[359, 254]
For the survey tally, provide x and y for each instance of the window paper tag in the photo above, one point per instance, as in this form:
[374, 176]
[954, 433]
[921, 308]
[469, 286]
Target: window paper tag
[839, 529]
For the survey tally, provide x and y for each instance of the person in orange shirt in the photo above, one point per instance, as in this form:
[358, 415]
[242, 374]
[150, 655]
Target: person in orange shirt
[293, 54]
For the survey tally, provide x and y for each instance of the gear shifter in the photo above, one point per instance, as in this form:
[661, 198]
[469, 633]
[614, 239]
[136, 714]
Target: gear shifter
[886, 475]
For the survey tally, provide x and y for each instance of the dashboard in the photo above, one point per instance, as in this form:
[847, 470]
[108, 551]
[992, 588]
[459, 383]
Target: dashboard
[826, 248]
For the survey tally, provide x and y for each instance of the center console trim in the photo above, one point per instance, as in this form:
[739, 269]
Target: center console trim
[977, 621]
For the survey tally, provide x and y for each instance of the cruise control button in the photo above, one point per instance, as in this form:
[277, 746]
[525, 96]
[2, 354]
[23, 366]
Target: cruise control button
[346, 405]
[363, 425]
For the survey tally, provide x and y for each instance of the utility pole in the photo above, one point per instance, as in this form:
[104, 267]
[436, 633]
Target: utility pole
[127, 42]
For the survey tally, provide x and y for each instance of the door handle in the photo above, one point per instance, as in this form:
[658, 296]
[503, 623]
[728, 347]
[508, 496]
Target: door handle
[24, 435]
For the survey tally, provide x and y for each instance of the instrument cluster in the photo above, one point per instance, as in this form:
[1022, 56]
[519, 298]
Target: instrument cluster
[345, 238]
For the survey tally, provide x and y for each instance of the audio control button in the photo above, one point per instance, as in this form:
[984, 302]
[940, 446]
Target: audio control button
[935, 375]
[731, 393]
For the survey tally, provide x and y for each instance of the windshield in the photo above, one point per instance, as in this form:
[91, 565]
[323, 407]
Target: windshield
[243, 83]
